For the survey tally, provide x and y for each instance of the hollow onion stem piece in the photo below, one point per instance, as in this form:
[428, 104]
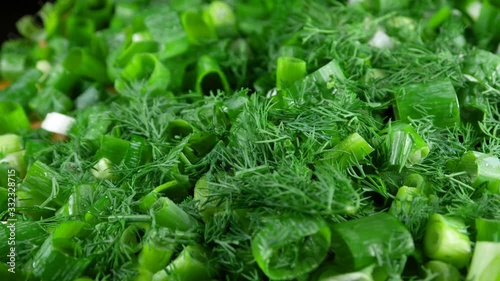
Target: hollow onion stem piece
[446, 239]
[288, 71]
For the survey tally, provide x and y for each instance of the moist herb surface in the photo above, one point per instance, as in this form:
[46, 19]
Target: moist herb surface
[252, 140]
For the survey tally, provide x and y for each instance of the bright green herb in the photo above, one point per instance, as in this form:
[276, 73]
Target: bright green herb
[264, 140]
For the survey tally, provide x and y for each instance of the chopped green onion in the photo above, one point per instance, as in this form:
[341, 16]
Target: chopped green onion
[59, 259]
[291, 51]
[136, 48]
[348, 152]
[33, 205]
[130, 241]
[436, 100]
[437, 19]
[28, 28]
[177, 189]
[32, 235]
[98, 11]
[483, 168]
[385, 6]
[210, 77]
[167, 214]
[61, 79]
[357, 243]
[488, 230]
[381, 40]
[91, 96]
[12, 62]
[206, 208]
[197, 31]
[99, 209]
[485, 28]
[289, 246]
[166, 28]
[404, 146]
[57, 123]
[13, 119]
[403, 200]
[147, 201]
[79, 30]
[146, 68]
[220, 17]
[288, 71]
[179, 128]
[41, 182]
[415, 180]
[192, 264]
[113, 149]
[143, 275]
[138, 152]
[482, 65]
[16, 161]
[485, 261]
[81, 62]
[22, 90]
[446, 239]
[9, 143]
[327, 76]
[443, 271]
[103, 169]
[473, 106]
[154, 258]
[50, 100]
[79, 201]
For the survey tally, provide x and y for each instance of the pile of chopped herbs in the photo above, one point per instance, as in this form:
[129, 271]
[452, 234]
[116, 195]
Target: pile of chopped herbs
[313, 140]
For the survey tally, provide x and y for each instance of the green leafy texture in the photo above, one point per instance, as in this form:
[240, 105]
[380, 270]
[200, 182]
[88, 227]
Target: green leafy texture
[289, 246]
